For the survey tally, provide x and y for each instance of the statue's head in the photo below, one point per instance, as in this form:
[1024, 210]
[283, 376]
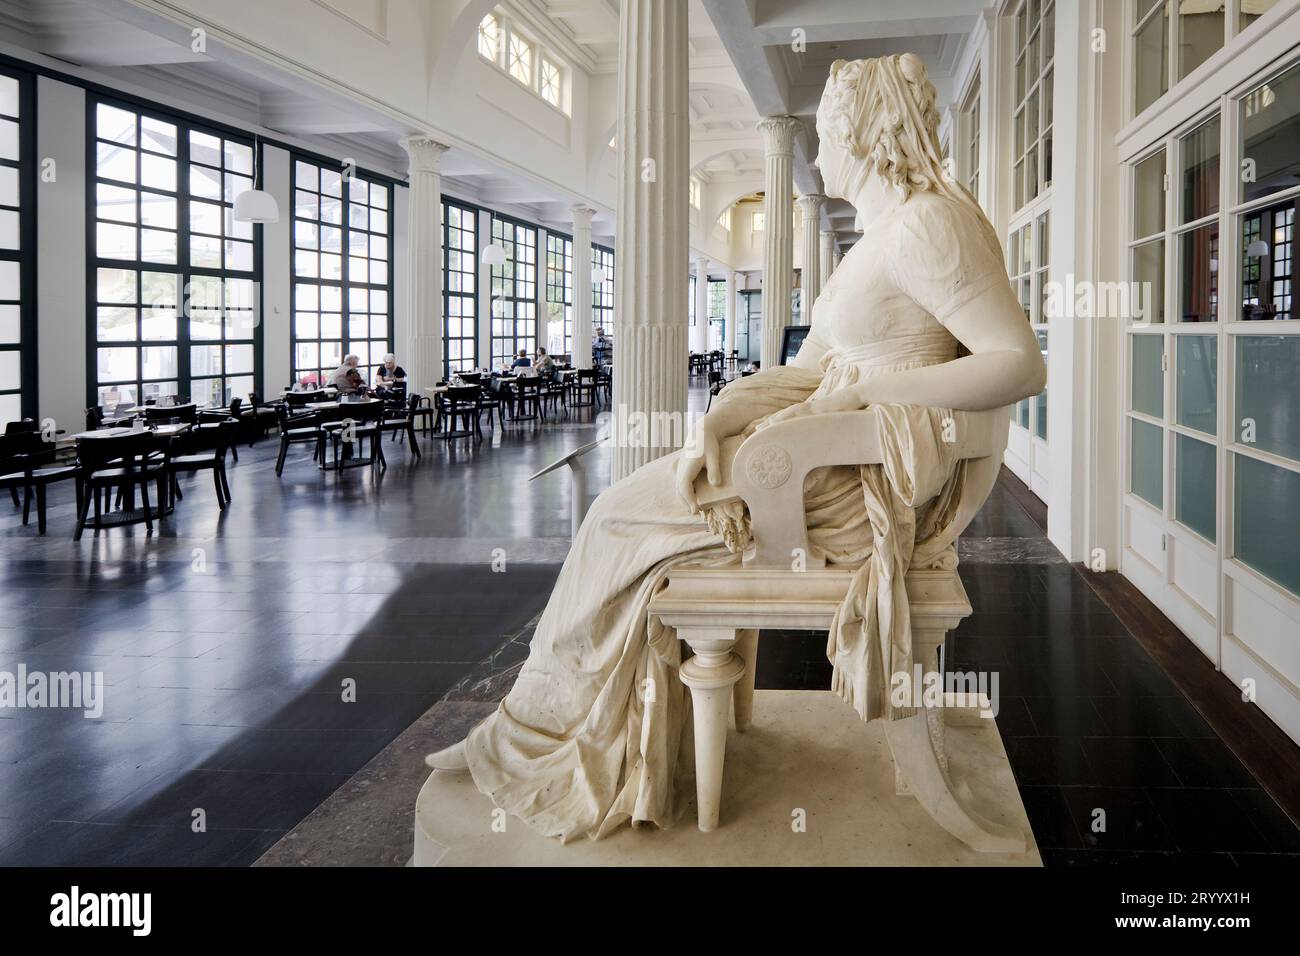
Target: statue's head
[878, 116]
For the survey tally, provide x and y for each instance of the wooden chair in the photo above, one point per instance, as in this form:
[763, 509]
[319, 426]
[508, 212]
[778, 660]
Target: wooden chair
[719, 611]
[584, 388]
[214, 416]
[299, 430]
[356, 425]
[126, 463]
[223, 435]
[528, 400]
[27, 462]
[402, 421]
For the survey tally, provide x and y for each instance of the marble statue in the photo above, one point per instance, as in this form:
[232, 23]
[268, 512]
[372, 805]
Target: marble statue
[918, 321]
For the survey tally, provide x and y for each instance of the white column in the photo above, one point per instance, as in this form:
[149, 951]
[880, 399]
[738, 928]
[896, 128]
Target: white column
[778, 243]
[423, 359]
[700, 333]
[652, 241]
[582, 285]
[827, 255]
[811, 205]
[730, 339]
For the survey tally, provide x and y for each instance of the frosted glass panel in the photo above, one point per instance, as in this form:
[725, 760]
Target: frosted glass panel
[1197, 382]
[11, 409]
[1267, 384]
[1267, 507]
[1195, 485]
[1146, 461]
[1148, 385]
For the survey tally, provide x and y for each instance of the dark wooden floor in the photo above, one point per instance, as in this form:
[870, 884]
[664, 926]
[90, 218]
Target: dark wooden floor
[227, 641]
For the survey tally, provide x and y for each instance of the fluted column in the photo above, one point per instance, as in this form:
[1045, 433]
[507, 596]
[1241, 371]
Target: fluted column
[778, 244]
[811, 205]
[730, 334]
[652, 243]
[582, 286]
[700, 333]
[424, 318]
[827, 255]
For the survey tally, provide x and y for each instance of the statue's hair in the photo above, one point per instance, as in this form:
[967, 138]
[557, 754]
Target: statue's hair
[882, 111]
[901, 152]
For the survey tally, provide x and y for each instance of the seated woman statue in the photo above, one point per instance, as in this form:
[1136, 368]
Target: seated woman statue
[919, 321]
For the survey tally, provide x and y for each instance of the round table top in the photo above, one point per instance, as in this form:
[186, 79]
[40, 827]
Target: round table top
[161, 431]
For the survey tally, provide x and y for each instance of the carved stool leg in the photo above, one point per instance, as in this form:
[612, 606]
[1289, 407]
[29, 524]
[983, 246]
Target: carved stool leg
[710, 675]
[743, 694]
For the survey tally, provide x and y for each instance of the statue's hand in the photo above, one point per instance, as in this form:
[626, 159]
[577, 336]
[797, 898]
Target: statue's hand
[699, 454]
[844, 400]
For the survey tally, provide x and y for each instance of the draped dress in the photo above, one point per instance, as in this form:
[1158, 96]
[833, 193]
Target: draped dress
[596, 731]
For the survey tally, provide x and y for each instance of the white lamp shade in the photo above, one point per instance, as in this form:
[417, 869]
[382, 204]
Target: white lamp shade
[1257, 249]
[598, 276]
[494, 255]
[256, 205]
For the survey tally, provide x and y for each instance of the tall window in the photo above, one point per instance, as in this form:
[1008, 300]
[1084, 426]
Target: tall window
[1027, 263]
[717, 296]
[17, 250]
[690, 301]
[342, 282]
[1035, 39]
[602, 296]
[514, 291]
[460, 287]
[559, 293]
[174, 305]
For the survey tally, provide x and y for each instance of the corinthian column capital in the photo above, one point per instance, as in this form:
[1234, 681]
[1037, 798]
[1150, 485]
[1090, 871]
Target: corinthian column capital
[424, 153]
[778, 134]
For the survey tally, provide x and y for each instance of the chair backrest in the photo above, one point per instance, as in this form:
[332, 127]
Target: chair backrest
[298, 399]
[363, 413]
[225, 433]
[131, 450]
[587, 376]
[472, 378]
[287, 420]
[715, 377]
[187, 414]
[236, 405]
[462, 395]
[529, 387]
[22, 426]
[94, 418]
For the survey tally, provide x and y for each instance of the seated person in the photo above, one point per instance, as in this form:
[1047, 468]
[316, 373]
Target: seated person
[389, 376]
[523, 361]
[339, 377]
[354, 384]
[545, 365]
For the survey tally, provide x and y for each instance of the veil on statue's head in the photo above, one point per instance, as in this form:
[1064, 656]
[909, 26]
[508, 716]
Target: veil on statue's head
[882, 113]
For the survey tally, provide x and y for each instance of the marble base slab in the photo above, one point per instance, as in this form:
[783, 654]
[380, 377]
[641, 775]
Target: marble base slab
[806, 751]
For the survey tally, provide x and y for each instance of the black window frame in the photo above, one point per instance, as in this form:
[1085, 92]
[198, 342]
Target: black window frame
[28, 389]
[602, 297]
[345, 284]
[523, 294]
[460, 295]
[183, 268]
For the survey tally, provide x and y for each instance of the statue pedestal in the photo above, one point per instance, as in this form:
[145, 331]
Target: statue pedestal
[808, 784]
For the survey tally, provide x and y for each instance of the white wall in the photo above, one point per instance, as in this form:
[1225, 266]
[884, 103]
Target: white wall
[277, 291]
[61, 254]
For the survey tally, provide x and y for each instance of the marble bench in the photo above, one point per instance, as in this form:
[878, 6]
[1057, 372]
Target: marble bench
[719, 612]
